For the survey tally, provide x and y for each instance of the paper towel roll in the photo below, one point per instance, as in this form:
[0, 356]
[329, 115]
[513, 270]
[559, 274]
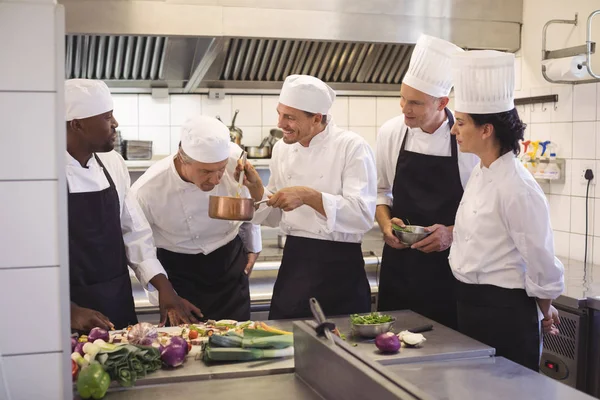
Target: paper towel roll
[567, 69]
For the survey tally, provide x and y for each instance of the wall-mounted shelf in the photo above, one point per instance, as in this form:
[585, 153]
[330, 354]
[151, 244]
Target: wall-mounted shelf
[561, 165]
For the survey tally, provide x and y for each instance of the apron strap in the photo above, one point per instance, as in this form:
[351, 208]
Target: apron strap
[110, 181]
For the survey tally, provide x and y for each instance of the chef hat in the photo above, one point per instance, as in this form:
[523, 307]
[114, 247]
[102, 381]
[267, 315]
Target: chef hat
[429, 70]
[484, 81]
[205, 139]
[86, 98]
[307, 93]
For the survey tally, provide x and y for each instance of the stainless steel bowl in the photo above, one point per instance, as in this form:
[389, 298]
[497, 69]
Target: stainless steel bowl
[416, 234]
[372, 330]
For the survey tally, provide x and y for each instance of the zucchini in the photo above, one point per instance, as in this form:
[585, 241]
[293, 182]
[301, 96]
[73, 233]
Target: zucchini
[225, 341]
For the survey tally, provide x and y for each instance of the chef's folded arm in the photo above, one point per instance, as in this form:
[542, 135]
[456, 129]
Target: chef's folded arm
[139, 242]
[544, 274]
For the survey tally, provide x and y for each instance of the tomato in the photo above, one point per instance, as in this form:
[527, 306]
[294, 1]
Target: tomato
[74, 369]
[189, 347]
[193, 335]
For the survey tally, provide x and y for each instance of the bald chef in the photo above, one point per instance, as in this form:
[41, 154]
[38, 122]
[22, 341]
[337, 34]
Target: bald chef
[107, 230]
[208, 260]
[322, 193]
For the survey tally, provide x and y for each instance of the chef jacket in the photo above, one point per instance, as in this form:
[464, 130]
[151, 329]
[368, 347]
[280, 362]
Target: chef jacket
[389, 141]
[137, 235]
[340, 165]
[503, 235]
[178, 210]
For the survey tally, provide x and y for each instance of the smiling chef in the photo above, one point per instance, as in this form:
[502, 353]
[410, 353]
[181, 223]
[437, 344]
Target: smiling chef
[208, 260]
[107, 229]
[322, 192]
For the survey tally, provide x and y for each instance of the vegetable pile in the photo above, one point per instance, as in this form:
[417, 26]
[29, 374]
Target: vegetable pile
[370, 319]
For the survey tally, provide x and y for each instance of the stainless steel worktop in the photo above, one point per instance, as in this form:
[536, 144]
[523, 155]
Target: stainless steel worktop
[482, 379]
[272, 387]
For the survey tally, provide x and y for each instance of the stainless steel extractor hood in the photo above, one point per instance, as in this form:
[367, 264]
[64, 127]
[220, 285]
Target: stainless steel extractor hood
[194, 45]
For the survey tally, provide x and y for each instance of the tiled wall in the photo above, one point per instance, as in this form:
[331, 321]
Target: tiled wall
[33, 273]
[573, 123]
[159, 119]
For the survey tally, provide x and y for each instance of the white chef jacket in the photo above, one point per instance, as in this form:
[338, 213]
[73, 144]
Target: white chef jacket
[178, 211]
[340, 165]
[503, 235]
[137, 234]
[389, 141]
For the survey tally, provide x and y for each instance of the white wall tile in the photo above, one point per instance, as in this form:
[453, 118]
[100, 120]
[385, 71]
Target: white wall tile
[129, 132]
[28, 151]
[367, 132]
[154, 111]
[362, 111]
[175, 138]
[388, 108]
[596, 220]
[577, 247]
[524, 110]
[269, 111]
[217, 107]
[28, 55]
[584, 102]
[540, 113]
[564, 188]
[30, 210]
[339, 111]
[560, 212]
[598, 140]
[561, 135]
[184, 106]
[562, 111]
[25, 384]
[126, 109]
[252, 135]
[539, 132]
[578, 187]
[561, 243]
[578, 215]
[596, 251]
[160, 136]
[35, 291]
[584, 140]
[250, 110]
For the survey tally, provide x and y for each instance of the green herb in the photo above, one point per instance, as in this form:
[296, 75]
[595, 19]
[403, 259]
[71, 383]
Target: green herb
[370, 319]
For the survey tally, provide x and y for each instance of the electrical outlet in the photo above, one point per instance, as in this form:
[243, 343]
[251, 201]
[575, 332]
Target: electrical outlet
[584, 167]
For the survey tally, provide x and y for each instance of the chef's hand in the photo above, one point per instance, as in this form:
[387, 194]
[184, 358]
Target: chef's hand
[176, 309]
[439, 240]
[251, 260]
[551, 319]
[287, 199]
[389, 237]
[251, 180]
[86, 319]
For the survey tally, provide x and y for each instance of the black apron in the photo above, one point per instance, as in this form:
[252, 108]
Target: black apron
[216, 283]
[427, 191]
[332, 272]
[99, 277]
[506, 319]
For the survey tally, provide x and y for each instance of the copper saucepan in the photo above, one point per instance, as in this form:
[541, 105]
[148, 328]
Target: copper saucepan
[232, 208]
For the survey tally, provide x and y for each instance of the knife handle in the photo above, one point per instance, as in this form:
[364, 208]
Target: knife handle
[420, 329]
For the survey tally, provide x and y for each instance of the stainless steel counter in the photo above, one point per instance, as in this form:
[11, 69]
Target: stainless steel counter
[481, 379]
[273, 387]
[442, 343]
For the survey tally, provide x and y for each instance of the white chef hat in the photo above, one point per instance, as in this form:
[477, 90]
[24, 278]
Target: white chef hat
[205, 139]
[86, 98]
[429, 70]
[484, 81]
[307, 93]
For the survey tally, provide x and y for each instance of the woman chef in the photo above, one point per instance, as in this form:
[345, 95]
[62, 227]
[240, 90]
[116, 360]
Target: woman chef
[503, 247]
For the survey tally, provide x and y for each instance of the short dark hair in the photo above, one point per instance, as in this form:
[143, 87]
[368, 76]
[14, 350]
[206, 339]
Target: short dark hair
[508, 128]
[323, 120]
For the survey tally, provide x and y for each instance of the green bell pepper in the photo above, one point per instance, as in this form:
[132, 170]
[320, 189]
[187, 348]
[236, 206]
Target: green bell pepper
[93, 381]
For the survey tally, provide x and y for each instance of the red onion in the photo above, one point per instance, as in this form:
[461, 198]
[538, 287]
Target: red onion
[143, 334]
[79, 348]
[387, 342]
[173, 355]
[73, 343]
[181, 341]
[98, 333]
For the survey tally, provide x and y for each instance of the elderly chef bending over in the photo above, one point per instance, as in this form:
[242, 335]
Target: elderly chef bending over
[208, 260]
[107, 229]
[322, 194]
[503, 248]
[421, 176]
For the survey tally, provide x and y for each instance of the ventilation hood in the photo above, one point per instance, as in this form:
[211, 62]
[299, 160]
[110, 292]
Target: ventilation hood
[241, 45]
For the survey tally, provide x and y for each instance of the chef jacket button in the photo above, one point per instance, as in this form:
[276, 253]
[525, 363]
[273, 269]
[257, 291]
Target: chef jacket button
[321, 177]
[197, 237]
[490, 181]
[474, 211]
[467, 239]
[289, 177]
[319, 231]
[190, 217]
[70, 173]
